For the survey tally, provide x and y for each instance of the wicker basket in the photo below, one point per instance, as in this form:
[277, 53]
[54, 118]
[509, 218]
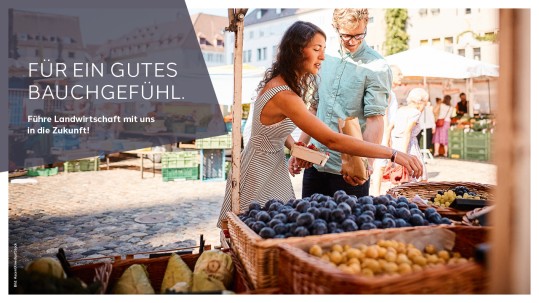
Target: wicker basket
[260, 257]
[430, 189]
[301, 273]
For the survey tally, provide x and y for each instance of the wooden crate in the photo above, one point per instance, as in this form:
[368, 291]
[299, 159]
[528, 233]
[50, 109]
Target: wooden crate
[156, 268]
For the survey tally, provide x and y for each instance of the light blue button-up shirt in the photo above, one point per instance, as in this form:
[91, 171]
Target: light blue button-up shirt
[352, 85]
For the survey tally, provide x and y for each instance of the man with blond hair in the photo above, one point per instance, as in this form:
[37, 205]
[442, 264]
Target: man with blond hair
[355, 81]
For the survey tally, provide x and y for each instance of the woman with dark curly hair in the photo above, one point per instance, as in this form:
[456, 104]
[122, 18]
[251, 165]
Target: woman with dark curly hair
[279, 108]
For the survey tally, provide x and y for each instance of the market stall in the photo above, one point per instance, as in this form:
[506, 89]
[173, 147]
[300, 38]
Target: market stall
[414, 240]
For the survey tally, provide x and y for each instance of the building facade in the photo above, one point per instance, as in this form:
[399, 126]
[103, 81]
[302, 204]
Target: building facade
[469, 32]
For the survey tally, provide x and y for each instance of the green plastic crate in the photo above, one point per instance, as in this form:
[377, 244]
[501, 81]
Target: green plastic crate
[185, 173]
[218, 142]
[477, 157]
[42, 172]
[477, 139]
[91, 164]
[456, 134]
[180, 159]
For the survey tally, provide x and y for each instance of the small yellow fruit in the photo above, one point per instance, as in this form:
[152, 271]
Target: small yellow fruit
[413, 252]
[316, 250]
[391, 267]
[430, 249]
[402, 258]
[355, 267]
[443, 254]
[335, 257]
[337, 247]
[353, 253]
[391, 256]
[405, 268]
[420, 260]
[367, 272]
[372, 252]
[382, 252]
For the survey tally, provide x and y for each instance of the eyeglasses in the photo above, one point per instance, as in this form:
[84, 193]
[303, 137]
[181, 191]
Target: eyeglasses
[358, 37]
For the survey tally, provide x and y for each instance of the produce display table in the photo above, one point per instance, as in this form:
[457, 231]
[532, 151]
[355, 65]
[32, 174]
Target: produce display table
[142, 154]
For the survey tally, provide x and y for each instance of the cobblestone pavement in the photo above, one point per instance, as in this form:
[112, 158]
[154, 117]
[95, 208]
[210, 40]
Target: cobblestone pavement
[93, 214]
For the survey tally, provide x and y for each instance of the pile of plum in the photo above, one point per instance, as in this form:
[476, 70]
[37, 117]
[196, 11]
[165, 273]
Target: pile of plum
[320, 214]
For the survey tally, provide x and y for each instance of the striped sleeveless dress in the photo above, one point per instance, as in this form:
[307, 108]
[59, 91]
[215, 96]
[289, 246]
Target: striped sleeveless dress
[263, 166]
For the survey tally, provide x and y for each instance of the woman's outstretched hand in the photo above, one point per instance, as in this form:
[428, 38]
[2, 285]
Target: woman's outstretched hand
[295, 165]
[411, 163]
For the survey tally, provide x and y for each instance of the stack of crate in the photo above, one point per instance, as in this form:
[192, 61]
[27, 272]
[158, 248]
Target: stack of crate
[456, 144]
[86, 164]
[182, 165]
[212, 156]
[475, 146]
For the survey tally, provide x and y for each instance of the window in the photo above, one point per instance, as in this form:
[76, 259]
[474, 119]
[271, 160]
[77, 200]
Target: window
[468, 11]
[436, 41]
[435, 11]
[448, 44]
[261, 33]
[278, 11]
[71, 55]
[424, 42]
[275, 49]
[259, 14]
[477, 53]
[202, 41]
[251, 35]
[261, 54]
[462, 52]
[371, 20]
[423, 12]
[220, 42]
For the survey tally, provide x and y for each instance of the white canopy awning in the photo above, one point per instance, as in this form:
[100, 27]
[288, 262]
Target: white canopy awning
[427, 61]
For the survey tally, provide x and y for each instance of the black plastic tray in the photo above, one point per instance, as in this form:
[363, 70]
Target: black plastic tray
[468, 204]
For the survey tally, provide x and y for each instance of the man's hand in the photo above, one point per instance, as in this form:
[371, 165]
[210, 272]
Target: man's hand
[354, 181]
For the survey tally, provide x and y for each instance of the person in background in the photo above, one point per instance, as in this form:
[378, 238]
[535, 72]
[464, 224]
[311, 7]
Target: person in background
[355, 81]
[427, 122]
[462, 105]
[405, 126]
[279, 108]
[442, 111]
[393, 106]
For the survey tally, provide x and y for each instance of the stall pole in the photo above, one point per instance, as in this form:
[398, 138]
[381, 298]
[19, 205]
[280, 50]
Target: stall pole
[236, 16]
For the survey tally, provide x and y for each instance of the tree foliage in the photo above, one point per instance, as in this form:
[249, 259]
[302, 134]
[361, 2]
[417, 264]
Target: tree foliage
[396, 35]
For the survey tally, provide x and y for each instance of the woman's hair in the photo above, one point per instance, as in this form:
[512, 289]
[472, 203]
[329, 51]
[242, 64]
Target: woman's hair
[417, 95]
[290, 58]
[349, 17]
[447, 100]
